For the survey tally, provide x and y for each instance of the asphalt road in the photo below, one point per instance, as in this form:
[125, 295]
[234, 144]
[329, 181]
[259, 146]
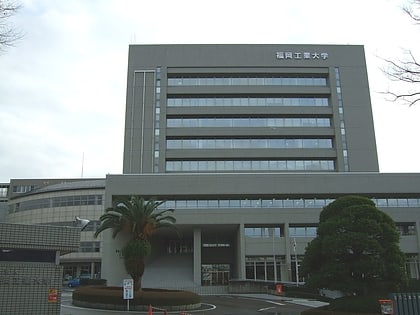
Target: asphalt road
[235, 305]
[216, 305]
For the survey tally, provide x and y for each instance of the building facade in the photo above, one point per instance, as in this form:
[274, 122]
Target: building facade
[56, 202]
[247, 143]
[4, 188]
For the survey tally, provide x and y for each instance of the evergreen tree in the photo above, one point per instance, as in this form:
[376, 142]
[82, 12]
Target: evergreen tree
[356, 249]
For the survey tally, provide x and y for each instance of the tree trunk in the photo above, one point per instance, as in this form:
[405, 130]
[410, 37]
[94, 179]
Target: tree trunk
[135, 268]
[137, 284]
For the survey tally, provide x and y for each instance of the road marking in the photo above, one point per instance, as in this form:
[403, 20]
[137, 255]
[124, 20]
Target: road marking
[265, 309]
[276, 303]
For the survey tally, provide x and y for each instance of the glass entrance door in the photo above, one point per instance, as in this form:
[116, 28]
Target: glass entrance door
[215, 274]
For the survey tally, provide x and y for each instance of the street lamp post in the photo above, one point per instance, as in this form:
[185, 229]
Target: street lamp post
[296, 262]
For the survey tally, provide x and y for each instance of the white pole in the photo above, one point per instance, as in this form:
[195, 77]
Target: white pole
[274, 257]
[83, 162]
[296, 262]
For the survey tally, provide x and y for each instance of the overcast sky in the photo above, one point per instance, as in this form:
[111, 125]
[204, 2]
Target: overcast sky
[62, 87]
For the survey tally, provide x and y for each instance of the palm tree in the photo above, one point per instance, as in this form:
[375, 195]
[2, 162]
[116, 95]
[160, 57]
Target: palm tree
[137, 218]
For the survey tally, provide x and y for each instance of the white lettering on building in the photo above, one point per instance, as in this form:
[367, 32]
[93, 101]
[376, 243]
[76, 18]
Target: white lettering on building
[306, 55]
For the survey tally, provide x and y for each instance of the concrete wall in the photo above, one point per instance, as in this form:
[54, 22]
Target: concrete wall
[30, 275]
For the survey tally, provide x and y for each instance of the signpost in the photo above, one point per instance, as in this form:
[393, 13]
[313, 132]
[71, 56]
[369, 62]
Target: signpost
[128, 288]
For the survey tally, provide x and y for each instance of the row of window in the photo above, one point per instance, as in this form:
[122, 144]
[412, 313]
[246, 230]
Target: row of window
[157, 120]
[248, 101]
[243, 203]
[263, 232]
[265, 268]
[4, 190]
[404, 229]
[90, 247]
[20, 189]
[248, 80]
[342, 121]
[246, 122]
[249, 144]
[252, 165]
[92, 226]
[275, 232]
[279, 203]
[65, 201]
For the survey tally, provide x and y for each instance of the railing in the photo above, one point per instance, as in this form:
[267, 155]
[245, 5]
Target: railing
[406, 303]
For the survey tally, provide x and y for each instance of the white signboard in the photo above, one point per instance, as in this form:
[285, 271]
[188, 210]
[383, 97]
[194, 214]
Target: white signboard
[304, 55]
[128, 288]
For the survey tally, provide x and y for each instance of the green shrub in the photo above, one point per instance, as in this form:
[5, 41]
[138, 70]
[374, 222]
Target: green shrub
[325, 311]
[412, 286]
[155, 297]
[101, 282]
[304, 292]
[361, 304]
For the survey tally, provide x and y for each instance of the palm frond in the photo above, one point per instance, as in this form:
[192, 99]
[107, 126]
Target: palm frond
[137, 216]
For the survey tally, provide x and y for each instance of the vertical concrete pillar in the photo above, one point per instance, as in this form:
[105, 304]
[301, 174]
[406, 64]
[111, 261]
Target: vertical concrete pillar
[197, 256]
[418, 249]
[92, 270]
[240, 254]
[287, 269]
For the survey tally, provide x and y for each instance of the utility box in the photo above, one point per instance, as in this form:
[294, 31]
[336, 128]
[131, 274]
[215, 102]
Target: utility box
[387, 307]
[279, 289]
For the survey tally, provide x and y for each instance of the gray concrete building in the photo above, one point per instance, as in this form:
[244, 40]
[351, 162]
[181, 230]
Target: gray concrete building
[248, 143]
[56, 202]
[4, 188]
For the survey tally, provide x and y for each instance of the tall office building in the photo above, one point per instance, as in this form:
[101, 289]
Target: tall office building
[252, 108]
[248, 143]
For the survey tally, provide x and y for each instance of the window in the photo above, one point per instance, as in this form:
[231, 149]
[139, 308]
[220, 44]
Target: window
[20, 189]
[262, 231]
[90, 247]
[406, 228]
[266, 268]
[302, 231]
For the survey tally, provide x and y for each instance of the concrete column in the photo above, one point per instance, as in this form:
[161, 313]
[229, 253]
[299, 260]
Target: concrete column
[418, 249]
[240, 254]
[287, 270]
[197, 256]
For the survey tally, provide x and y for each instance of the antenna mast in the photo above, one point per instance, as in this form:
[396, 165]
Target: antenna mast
[83, 161]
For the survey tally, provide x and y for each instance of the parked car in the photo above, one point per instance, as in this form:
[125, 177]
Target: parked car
[74, 283]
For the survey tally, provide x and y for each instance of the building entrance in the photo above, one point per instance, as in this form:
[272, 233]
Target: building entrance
[215, 274]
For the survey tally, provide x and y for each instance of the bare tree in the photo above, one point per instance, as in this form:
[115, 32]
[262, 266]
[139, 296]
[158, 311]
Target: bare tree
[8, 34]
[406, 69]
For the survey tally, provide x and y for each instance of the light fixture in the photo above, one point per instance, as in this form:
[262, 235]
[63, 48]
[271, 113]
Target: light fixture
[82, 223]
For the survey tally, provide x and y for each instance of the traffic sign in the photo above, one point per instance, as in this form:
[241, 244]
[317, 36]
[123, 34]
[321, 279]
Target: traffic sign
[128, 288]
